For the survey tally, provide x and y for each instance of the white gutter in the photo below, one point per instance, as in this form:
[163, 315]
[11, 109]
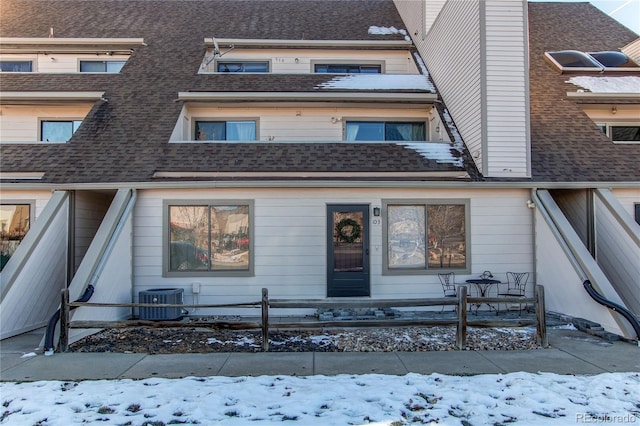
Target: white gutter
[50, 96]
[213, 175]
[227, 42]
[62, 41]
[602, 95]
[320, 95]
[328, 183]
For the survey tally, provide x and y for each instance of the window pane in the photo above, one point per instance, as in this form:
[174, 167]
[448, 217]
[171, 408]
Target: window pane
[210, 131]
[347, 68]
[14, 224]
[447, 242]
[92, 66]
[243, 66]
[230, 237]
[348, 244]
[405, 132]
[365, 131]
[625, 133]
[241, 130]
[58, 131]
[114, 66]
[15, 66]
[406, 236]
[189, 238]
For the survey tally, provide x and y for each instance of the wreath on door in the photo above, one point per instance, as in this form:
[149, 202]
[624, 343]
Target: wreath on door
[352, 231]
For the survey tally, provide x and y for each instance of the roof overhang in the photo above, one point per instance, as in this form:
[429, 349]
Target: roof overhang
[609, 96]
[319, 96]
[40, 97]
[298, 44]
[311, 175]
[69, 45]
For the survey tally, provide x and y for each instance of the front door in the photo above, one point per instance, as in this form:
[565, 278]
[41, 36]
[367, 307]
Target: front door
[347, 250]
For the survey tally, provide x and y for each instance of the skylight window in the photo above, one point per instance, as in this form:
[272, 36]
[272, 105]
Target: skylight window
[574, 60]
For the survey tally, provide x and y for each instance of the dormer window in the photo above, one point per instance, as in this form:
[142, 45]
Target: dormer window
[16, 66]
[242, 66]
[58, 130]
[385, 131]
[205, 130]
[347, 69]
[101, 66]
[621, 132]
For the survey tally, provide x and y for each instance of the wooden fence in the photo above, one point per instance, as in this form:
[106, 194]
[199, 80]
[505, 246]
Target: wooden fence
[461, 320]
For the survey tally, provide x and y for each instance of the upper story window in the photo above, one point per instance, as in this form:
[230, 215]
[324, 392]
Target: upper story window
[243, 66]
[101, 66]
[574, 60]
[621, 132]
[385, 131]
[206, 130]
[16, 66]
[347, 69]
[58, 130]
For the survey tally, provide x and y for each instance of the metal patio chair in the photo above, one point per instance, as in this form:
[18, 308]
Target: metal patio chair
[448, 282]
[516, 287]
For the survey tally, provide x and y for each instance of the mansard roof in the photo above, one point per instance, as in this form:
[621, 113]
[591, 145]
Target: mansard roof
[126, 137]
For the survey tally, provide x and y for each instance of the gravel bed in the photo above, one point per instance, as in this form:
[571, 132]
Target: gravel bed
[200, 340]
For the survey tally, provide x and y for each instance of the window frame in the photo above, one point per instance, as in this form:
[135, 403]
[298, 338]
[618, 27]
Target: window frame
[359, 65]
[31, 63]
[609, 124]
[81, 61]
[426, 202]
[315, 62]
[242, 61]
[195, 120]
[166, 238]
[42, 120]
[347, 120]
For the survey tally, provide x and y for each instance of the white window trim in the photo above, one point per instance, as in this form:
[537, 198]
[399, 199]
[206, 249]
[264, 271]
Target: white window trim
[65, 119]
[315, 62]
[609, 124]
[222, 61]
[192, 128]
[424, 120]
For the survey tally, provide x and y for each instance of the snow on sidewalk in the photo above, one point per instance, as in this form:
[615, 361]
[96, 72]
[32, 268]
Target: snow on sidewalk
[515, 398]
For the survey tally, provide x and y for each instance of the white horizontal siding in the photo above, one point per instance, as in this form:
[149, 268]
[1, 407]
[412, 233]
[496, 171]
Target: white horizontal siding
[301, 124]
[300, 61]
[628, 198]
[290, 241]
[506, 86]
[20, 123]
[451, 51]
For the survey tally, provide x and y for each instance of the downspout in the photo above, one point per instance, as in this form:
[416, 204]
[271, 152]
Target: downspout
[49, 336]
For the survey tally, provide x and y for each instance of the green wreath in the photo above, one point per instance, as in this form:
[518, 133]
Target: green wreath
[353, 235]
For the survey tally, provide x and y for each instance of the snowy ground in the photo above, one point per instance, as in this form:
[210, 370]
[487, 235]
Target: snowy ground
[515, 398]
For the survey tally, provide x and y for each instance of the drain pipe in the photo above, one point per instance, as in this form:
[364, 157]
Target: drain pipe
[51, 327]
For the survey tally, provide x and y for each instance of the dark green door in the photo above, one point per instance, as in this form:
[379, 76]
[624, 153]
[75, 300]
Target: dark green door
[347, 250]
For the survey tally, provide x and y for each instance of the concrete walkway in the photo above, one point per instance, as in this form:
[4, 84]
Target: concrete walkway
[571, 352]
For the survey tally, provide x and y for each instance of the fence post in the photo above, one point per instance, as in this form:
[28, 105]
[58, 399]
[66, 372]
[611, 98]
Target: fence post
[461, 331]
[63, 344]
[265, 320]
[541, 326]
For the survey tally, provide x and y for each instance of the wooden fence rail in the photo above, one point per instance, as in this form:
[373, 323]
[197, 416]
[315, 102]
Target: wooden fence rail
[461, 320]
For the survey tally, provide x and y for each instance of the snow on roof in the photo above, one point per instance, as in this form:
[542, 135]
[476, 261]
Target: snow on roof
[628, 84]
[388, 30]
[379, 82]
[441, 153]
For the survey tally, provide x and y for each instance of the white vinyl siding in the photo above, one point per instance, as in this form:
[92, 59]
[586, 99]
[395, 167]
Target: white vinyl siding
[507, 111]
[300, 61]
[60, 62]
[21, 123]
[290, 241]
[452, 53]
[295, 124]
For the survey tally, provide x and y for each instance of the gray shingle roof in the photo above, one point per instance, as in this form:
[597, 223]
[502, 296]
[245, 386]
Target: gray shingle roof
[126, 138]
[566, 144]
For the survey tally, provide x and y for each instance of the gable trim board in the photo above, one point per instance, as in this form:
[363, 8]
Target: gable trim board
[359, 44]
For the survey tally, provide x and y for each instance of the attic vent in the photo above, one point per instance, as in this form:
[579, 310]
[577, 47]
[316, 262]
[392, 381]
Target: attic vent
[161, 296]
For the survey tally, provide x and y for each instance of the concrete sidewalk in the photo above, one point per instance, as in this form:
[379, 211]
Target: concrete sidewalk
[571, 352]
